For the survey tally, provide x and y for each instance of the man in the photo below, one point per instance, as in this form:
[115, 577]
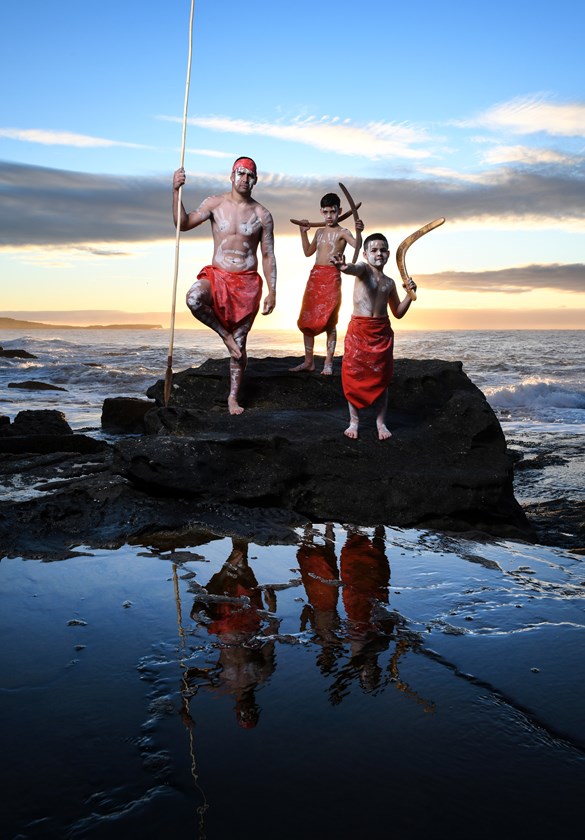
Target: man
[226, 295]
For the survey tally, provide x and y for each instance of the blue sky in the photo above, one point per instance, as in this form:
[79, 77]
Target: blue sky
[475, 113]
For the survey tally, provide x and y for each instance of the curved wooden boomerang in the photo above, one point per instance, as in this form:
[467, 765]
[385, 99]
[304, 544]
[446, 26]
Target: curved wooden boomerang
[405, 245]
[355, 214]
[322, 224]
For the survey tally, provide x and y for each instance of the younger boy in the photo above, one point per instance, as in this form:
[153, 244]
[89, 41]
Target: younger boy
[322, 297]
[368, 360]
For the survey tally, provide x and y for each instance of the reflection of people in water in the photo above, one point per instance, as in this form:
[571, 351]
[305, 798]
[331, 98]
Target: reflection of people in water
[318, 565]
[365, 574]
[245, 661]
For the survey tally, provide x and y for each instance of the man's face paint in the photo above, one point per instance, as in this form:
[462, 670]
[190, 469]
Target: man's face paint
[246, 163]
[244, 167]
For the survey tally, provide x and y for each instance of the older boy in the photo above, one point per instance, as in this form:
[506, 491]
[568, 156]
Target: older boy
[368, 360]
[226, 295]
[322, 297]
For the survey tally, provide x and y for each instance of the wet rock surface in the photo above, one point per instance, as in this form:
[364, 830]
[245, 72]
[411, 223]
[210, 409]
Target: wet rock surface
[559, 522]
[191, 467]
[16, 354]
[35, 385]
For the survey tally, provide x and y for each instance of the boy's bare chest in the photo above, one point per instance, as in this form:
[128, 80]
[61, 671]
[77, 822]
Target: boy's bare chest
[329, 241]
[379, 285]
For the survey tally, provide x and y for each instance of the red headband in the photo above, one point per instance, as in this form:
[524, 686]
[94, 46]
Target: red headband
[247, 163]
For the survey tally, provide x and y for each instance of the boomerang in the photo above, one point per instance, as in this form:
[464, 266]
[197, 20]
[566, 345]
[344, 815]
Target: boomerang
[356, 218]
[403, 248]
[342, 218]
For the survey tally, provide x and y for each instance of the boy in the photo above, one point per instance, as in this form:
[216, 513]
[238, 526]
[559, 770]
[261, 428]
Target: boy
[368, 360]
[322, 297]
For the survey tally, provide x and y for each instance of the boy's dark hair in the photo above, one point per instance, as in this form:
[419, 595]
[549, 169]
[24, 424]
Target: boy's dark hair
[331, 200]
[374, 236]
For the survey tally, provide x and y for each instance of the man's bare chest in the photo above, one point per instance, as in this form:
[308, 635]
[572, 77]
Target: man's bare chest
[229, 220]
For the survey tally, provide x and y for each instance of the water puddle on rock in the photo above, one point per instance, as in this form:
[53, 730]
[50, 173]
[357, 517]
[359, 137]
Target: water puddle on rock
[362, 682]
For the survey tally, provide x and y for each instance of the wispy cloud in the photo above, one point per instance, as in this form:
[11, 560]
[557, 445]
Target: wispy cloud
[374, 140]
[515, 280]
[212, 153]
[526, 155]
[531, 115]
[42, 206]
[46, 137]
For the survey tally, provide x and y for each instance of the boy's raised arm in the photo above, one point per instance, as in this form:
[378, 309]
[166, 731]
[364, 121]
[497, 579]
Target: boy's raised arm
[338, 260]
[309, 248]
[398, 307]
[355, 241]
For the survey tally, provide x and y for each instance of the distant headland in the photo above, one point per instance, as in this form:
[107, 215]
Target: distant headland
[16, 324]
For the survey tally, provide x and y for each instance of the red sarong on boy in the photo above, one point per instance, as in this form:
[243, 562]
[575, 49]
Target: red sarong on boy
[318, 566]
[368, 359]
[321, 300]
[365, 571]
[236, 294]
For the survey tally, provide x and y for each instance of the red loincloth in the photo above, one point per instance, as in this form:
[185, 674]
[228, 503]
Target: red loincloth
[365, 571]
[236, 294]
[233, 619]
[321, 300]
[368, 359]
[318, 565]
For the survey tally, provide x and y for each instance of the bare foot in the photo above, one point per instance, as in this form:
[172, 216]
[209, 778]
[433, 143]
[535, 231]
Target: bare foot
[308, 366]
[234, 407]
[351, 431]
[327, 370]
[383, 432]
[230, 343]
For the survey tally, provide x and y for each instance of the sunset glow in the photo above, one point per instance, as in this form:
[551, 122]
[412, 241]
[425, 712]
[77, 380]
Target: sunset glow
[476, 122]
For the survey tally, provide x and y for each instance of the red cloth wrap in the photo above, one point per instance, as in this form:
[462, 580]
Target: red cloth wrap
[247, 163]
[236, 294]
[368, 359]
[231, 619]
[321, 300]
[317, 565]
[365, 571]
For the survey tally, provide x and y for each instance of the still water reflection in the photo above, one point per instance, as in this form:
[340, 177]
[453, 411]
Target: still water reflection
[363, 681]
[242, 616]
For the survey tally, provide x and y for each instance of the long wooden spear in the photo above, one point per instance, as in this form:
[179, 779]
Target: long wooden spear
[169, 372]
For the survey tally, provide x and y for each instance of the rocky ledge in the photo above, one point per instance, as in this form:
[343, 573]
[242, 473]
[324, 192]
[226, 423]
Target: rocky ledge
[285, 461]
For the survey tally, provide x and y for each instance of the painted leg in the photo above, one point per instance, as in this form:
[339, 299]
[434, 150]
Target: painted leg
[354, 422]
[309, 364]
[331, 342]
[237, 368]
[199, 301]
[383, 433]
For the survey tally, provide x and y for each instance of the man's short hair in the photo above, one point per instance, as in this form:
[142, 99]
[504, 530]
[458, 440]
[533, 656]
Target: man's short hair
[374, 236]
[331, 200]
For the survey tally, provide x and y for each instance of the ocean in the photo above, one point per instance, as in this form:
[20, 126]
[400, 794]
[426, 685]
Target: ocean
[534, 381]
[363, 682]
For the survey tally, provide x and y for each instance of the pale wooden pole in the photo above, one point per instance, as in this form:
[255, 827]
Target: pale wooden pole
[169, 372]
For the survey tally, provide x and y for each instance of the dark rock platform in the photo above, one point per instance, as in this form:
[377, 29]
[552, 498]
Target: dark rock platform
[191, 466]
[446, 465]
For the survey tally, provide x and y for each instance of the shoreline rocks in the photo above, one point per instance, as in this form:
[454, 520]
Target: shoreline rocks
[191, 466]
